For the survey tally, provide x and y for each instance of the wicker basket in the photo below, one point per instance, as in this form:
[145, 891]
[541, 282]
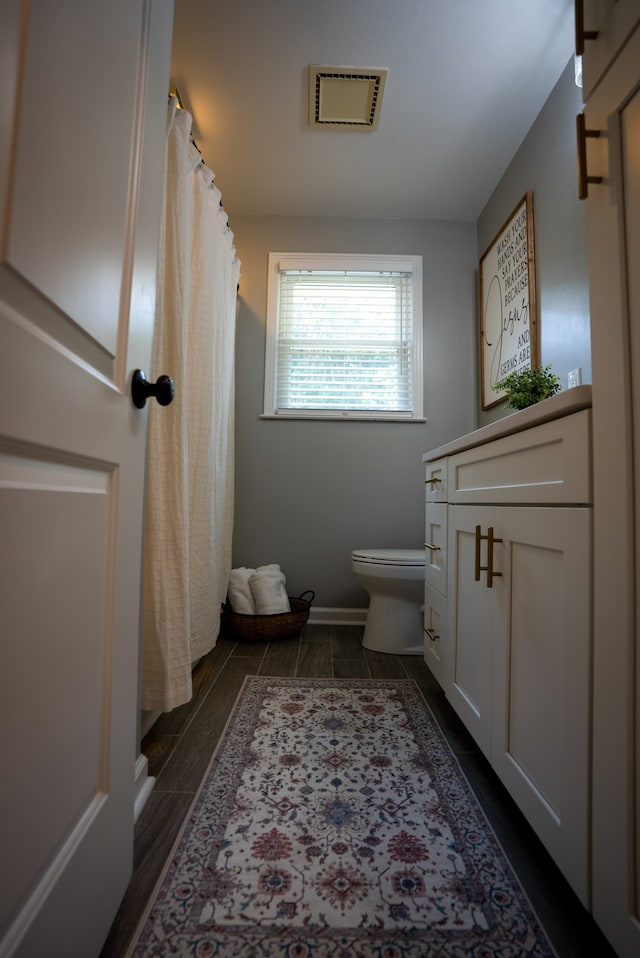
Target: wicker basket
[266, 628]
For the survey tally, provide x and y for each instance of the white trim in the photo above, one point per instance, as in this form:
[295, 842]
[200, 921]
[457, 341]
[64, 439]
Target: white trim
[278, 262]
[143, 785]
[347, 261]
[330, 616]
[351, 417]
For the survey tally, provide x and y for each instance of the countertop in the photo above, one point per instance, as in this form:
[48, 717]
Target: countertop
[565, 403]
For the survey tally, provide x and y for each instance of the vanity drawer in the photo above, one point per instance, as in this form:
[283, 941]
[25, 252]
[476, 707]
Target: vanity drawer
[435, 546]
[434, 632]
[436, 481]
[549, 463]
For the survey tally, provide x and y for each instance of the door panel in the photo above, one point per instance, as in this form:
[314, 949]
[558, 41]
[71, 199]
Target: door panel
[80, 181]
[62, 664]
[540, 741]
[470, 614]
[534, 675]
[72, 178]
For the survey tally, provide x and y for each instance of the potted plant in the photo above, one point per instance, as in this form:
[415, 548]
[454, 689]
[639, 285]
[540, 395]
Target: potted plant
[529, 386]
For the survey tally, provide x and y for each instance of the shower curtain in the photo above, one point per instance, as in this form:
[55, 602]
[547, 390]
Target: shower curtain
[190, 456]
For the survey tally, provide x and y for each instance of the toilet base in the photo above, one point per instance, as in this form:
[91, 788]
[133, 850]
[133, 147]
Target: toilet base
[394, 626]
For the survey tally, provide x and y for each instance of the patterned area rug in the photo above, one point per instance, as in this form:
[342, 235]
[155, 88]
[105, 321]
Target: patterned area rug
[335, 821]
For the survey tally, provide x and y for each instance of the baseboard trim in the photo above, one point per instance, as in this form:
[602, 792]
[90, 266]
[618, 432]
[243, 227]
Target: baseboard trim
[143, 785]
[329, 616]
[148, 719]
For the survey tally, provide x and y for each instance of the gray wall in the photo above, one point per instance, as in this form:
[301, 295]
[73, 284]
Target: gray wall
[308, 493]
[546, 164]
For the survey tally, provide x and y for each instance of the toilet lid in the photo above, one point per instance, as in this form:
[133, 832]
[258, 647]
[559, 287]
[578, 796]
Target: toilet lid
[407, 557]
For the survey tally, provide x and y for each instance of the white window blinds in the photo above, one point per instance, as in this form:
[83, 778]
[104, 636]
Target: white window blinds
[345, 341]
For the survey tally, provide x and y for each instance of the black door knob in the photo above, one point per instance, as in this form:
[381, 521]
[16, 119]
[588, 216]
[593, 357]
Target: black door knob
[141, 389]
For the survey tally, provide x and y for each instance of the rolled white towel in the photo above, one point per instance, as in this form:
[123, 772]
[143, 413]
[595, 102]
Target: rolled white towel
[269, 587]
[239, 591]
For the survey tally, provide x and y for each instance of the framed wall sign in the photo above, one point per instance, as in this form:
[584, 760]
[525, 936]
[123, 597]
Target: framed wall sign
[508, 325]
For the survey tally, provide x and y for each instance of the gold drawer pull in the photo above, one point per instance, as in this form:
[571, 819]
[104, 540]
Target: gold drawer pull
[478, 566]
[488, 568]
[429, 545]
[431, 634]
[583, 179]
[434, 481]
[490, 571]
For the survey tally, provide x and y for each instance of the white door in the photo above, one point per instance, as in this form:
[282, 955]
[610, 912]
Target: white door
[82, 122]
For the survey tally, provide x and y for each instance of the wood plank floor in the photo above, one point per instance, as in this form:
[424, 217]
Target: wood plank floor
[180, 745]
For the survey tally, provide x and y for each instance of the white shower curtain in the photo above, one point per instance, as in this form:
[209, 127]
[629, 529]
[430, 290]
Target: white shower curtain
[190, 458]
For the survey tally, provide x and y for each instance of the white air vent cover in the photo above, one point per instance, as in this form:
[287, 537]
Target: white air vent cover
[345, 97]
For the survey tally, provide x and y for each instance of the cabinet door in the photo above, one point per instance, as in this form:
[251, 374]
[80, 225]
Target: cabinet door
[613, 238]
[613, 21]
[540, 700]
[470, 621]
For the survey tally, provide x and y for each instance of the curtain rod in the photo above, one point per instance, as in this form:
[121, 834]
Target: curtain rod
[174, 93]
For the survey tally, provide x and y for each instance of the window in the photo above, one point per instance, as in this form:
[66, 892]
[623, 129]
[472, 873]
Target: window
[344, 337]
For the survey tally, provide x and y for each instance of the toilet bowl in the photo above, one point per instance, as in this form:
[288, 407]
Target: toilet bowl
[394, 579]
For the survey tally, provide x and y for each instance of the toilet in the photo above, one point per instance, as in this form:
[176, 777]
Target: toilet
[394, 579]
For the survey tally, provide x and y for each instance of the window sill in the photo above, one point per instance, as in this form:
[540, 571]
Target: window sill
[347, 417]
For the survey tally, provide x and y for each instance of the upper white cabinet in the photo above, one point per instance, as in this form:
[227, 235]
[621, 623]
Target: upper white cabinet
[602, 29]
[613, 244]
[515, 637]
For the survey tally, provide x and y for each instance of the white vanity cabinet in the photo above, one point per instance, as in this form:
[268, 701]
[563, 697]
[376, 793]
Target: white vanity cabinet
[515, 639]
[519, 673]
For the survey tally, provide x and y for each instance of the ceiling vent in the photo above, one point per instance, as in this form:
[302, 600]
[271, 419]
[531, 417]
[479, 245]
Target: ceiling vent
[346, 98]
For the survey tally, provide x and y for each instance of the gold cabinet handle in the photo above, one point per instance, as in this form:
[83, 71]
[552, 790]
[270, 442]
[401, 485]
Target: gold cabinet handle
[583, 178]
[430, 545]
[434, 636]
[581, 33]
[478, 566]
[491, 573]
[434, 481]
[488, 568]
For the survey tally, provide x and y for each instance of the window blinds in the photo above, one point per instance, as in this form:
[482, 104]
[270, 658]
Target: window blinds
[345, 341]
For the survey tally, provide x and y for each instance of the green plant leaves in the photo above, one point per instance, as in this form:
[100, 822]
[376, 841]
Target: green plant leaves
[529, 386]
